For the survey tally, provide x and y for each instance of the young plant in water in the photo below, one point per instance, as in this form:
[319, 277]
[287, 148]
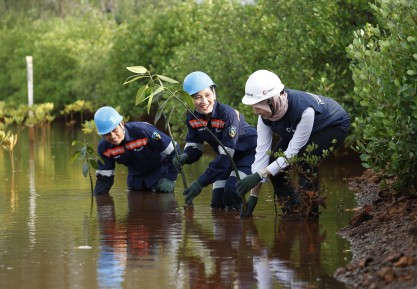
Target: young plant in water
[303, 170]
[8, 141]
[154, 91]
[88, 154]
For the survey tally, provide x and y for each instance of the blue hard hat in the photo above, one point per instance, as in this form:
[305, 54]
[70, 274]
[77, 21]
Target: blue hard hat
[197, 81]
[106, 119]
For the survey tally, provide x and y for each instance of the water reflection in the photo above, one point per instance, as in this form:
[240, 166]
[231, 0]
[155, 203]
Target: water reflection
[217, 251]
[145, 240]
[137, 240]
[294, 258]
[232, 246]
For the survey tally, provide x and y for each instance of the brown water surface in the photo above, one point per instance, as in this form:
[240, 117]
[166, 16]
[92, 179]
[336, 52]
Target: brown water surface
[55, 235]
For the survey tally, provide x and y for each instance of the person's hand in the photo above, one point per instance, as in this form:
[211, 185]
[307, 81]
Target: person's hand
[250, 206]
[179, 161]
[191, 192]
[246, 184]
[165, 186]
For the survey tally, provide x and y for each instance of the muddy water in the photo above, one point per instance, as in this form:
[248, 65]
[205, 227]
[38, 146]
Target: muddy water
[53, 234]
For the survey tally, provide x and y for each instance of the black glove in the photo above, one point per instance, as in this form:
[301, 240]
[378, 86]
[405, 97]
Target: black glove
[165, 186]
[191, 192]
[248, 183]
[250, 206]
[179, 161]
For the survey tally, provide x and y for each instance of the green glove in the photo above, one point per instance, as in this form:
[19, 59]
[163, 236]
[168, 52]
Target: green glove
[178, 161]
[191, 192]
[250, 206]
[165, 186]
[248, 183]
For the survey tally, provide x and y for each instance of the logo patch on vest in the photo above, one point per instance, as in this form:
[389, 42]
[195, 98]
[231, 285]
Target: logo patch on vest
[156, 135]
[232, 131]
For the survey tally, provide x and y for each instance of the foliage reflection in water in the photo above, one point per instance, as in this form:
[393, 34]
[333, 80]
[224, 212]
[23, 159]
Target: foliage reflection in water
[54, 235]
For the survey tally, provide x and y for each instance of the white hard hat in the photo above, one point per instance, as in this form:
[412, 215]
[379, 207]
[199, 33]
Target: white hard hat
[261, 85]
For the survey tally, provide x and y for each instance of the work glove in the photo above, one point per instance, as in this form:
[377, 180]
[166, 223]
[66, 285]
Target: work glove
[246, 184]
[165, 186]
[179, 161]
[191, 192]
[250, 206]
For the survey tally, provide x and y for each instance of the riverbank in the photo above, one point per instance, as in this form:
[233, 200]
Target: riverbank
[383, 238]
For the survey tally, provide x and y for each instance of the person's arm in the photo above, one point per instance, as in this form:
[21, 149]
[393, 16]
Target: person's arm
[103, 184]
[301, 135]
[193, 148]
[263, 144]
[104, 174]
[255, 191]
[254, 181]
[229, 139]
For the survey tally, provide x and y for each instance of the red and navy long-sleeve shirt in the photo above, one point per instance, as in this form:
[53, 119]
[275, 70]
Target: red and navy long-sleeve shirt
[145, 150]
[230, 127]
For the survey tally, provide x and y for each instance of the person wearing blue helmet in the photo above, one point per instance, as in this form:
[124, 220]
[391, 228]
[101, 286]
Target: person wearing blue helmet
[141, 147]
[235, 134]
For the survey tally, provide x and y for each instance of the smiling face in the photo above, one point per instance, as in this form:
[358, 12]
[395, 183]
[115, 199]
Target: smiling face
[204, 100]
[116, 136]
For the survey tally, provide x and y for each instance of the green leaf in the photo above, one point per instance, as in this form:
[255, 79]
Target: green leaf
[83, 151]
[85, 169]
[159, 112]
[140, 95]
[150, 97]
[137, 69]
[75, 156]
[411, 38]
[186, 98]
[411, 72]
[168, 116]
[93, 164]
[167, 79]
[134, 78]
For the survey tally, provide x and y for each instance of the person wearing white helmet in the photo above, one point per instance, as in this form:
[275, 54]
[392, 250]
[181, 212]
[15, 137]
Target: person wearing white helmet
[141, 147]
[231, 129]
[300, 119]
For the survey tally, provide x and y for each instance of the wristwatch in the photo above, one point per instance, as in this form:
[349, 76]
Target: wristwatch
[263, 173]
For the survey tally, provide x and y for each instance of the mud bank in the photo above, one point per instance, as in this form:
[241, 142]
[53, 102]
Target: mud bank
[383, 238]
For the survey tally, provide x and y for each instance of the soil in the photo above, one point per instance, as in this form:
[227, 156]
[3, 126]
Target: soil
[383, 238]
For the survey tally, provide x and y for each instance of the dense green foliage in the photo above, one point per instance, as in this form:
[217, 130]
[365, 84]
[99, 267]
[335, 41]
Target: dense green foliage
[385, 74]
[81, 50]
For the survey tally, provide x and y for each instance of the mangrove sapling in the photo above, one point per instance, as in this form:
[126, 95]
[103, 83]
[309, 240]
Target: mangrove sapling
[89, 127]
[79, 106]
[8, 141]
[154, 91]
[314, 196]
[88, 154]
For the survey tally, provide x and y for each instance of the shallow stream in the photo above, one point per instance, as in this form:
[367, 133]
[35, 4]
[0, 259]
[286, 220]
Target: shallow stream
[53, 234]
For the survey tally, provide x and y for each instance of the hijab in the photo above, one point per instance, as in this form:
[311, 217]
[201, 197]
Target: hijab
[277, 105]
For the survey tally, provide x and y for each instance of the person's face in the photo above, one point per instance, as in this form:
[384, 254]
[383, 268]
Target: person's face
[116, 136]
[262, 112]
[204, 100]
